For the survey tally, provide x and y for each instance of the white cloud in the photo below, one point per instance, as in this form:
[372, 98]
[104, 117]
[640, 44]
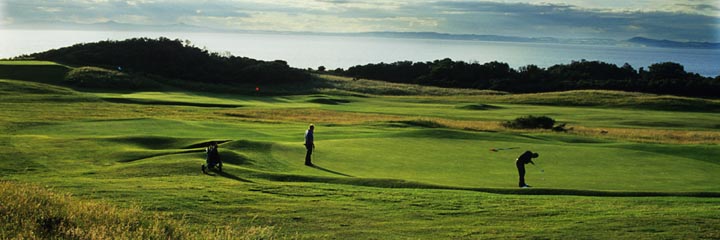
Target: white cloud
[134, 19]
[49, 9]
[315, 23]
[139, 2]
[671, 19]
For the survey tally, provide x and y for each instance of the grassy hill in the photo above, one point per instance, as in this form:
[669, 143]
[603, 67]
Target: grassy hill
[387, 166]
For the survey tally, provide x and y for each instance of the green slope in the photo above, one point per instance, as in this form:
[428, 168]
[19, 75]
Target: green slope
[393, 176]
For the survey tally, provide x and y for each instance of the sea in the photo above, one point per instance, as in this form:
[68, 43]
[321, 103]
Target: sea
[312, 51]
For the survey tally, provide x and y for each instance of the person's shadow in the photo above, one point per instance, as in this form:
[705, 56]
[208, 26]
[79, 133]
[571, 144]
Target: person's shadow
[227, 175]
[330, 171]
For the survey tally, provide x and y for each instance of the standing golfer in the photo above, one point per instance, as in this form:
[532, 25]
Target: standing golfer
[309, 144]
[525, 158]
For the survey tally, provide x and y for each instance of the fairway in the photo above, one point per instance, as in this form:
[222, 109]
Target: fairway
[386, 167]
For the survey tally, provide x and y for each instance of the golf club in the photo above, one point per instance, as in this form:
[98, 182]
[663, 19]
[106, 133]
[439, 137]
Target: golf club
[541, 170]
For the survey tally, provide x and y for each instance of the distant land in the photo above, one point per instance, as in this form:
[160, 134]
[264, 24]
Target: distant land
[636, 41]
[180, 27]
[672, 44]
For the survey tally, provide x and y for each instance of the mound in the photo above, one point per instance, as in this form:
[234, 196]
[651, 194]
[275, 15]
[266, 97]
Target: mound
[329, 101]
[35, 71]
[10, 87]
[99, 78]
[478, 107]
[160, 102]
[159, 143]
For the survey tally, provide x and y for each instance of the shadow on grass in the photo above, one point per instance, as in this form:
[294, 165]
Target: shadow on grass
[399, 183]
[158, 155]
[227, 175]
[161, 102]
[330, 171]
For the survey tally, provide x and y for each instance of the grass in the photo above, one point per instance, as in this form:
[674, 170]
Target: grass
[367, 86]
[38, 213]
[387, 167]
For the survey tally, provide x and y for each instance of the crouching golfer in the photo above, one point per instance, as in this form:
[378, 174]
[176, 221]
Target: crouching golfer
[309, 144]
[525, 158]
[213, 158]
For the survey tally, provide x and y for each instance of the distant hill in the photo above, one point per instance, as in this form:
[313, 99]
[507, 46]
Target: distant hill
[486, 37]
[636, 41]
[184, 27]
[173, 59]
[672, 44]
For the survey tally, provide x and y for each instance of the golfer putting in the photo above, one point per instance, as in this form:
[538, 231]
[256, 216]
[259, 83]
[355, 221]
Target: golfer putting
[525, 158]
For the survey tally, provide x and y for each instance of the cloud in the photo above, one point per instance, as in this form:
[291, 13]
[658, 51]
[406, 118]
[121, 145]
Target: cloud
[49, 9]
[312, 23]
[526, 19]
[700, 8]
[696, 20]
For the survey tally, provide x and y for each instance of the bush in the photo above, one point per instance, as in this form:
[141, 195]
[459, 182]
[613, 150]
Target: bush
[530, 122]
[94, 77]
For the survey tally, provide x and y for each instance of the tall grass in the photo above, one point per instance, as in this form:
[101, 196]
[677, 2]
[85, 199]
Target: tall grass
[386, 88]
[32, 212]
[306, 115]
[651, 135]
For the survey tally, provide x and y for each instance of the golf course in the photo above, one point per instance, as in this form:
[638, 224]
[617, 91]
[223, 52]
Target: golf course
[392, 161]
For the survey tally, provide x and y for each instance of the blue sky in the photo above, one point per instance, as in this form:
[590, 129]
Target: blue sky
[690, 20]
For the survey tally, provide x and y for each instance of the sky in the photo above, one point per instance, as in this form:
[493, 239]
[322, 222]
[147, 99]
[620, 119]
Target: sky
[689, 20]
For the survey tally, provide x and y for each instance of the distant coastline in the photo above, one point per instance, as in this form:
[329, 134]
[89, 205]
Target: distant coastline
[182, 27]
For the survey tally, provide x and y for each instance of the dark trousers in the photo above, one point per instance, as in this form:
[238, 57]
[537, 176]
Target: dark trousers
[308, 154]
[521, 172]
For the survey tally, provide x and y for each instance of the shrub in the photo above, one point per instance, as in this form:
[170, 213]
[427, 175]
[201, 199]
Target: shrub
[94, 77]
[530, 122]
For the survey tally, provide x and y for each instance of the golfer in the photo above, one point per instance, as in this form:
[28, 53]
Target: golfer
[213, 158]
[309, 144]
[525, 158]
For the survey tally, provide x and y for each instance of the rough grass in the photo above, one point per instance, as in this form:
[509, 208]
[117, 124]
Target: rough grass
[650, 135]
[367, 86]
[308, 115]
[601, 98]
[31, 212]
[606, 98]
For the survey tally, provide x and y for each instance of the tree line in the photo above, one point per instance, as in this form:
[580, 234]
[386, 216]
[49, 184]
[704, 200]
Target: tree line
[181, 60]
[661, 78]
[174, 59]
